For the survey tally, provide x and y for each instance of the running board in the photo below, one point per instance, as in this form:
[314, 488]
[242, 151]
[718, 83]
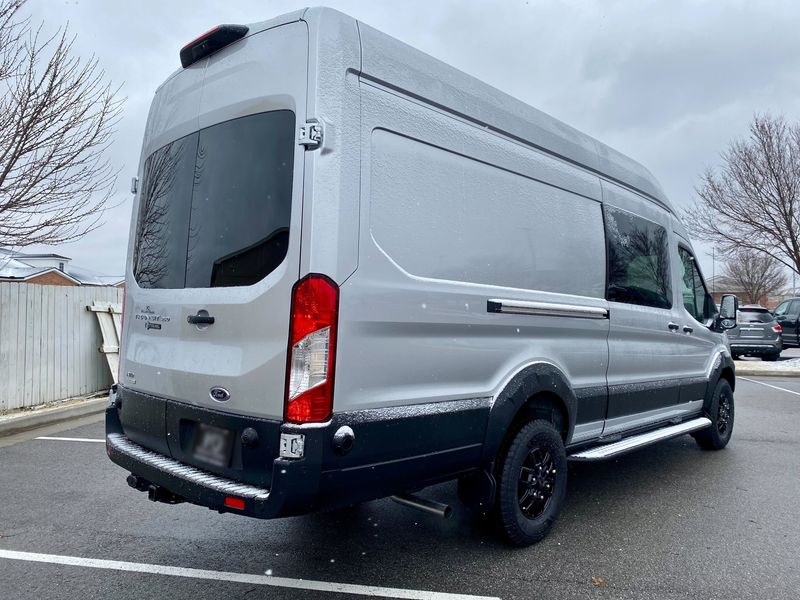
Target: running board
[644, 439]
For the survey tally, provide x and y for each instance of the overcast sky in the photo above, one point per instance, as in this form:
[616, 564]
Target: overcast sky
[669, 83]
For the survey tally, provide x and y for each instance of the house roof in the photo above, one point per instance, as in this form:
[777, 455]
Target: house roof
[44, 256]
[13, 267]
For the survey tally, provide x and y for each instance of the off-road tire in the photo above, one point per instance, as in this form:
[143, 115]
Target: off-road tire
[721, 413]
[521, 467]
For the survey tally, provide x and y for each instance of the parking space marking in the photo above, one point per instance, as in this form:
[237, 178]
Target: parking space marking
[774, 387]
[281, 582]
[71, 439]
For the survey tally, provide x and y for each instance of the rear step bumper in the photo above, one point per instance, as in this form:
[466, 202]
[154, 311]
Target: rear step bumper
[118, 443]
[294, 488]
[644, 439]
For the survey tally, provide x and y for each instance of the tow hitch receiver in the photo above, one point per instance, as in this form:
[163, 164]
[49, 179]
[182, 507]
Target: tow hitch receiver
[155, 493]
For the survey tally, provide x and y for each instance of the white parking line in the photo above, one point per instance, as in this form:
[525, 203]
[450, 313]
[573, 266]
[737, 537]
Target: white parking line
[774, 387]
[281, 582]
[71, 439]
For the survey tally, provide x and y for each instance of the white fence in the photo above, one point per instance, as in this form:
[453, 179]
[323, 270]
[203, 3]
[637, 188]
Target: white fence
[49, 343]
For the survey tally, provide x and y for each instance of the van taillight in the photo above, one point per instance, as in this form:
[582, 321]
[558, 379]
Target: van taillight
[312, 350]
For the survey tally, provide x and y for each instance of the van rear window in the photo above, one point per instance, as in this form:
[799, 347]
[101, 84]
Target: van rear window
[215, 205]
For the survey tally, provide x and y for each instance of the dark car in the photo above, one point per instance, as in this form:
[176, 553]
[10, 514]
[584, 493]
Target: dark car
[787, 314]
[757, 333]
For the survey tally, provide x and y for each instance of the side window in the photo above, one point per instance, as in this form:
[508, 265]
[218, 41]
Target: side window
[794, 310]
[638, 260]
[781, 309]
[697, 301]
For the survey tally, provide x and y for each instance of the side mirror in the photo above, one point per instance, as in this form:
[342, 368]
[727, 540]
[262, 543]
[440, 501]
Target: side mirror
[728, 308]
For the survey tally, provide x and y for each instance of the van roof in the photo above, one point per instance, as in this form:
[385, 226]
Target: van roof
[396, 65]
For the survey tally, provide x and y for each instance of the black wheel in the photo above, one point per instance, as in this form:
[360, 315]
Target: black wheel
[531, 483]
[721, 412]
[770, 357]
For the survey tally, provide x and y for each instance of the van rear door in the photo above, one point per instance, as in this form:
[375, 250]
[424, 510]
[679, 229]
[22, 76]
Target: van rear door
[216, 238]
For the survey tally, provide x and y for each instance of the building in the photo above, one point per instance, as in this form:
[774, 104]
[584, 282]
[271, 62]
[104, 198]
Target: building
[50, 269]
[721, 285]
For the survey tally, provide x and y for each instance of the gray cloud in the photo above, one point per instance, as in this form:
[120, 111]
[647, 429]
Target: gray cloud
[668, 83]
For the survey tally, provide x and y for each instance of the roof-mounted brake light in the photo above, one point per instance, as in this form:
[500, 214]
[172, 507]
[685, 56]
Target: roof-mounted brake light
[211, 41]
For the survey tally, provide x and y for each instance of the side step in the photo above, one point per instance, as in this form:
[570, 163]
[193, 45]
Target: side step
[644, 439]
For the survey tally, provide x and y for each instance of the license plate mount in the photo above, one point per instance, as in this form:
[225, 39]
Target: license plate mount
[212, 444]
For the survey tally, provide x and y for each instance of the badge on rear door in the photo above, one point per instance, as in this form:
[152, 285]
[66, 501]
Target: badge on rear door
[219, 394]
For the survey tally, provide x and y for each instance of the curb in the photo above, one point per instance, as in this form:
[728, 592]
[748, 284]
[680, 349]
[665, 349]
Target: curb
[770, 373]
[56, 414]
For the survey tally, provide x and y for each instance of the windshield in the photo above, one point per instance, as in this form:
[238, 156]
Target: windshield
[755, 316]
[215, 205]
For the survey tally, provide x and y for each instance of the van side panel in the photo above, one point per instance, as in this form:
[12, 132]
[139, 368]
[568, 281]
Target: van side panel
[391, 62]
[453, 216]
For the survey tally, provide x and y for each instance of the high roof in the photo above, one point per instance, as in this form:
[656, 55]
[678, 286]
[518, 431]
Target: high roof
[396, 65]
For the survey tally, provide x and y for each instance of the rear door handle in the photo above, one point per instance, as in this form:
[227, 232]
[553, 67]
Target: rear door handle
[200, 319]
[687, 329]
[673, 326]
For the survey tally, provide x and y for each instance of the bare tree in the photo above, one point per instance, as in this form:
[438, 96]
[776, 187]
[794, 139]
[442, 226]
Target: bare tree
[57, 117]
[752, 202]
[755, 274]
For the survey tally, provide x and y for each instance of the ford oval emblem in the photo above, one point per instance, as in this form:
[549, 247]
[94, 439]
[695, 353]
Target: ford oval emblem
[219, 394]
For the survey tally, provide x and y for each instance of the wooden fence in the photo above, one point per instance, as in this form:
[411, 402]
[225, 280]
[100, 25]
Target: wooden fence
[49, 343]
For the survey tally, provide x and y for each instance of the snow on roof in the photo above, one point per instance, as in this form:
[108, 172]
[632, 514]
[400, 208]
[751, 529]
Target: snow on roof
[13, 267]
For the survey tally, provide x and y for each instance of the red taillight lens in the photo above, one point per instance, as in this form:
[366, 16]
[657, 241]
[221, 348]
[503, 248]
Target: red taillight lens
[312, 350]
[777, 328]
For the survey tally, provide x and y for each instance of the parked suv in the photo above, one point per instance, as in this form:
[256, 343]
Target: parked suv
[355, 272]
[787, 315]
[756, 334]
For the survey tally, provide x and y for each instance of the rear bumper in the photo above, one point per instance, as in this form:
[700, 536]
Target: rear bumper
[201, 487]
[757, 347]
[395, 451]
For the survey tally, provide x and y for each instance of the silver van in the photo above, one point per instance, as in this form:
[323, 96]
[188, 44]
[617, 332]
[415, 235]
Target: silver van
[355, 272]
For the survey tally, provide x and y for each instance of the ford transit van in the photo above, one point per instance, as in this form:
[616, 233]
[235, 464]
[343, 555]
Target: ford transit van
[355, 272]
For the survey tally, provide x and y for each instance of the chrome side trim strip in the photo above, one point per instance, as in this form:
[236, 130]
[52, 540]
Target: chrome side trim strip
[547, 309]
[123, 445]
[637, 441]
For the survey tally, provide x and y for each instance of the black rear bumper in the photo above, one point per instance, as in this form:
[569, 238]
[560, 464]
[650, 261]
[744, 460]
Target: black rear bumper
[395, 450]
[756, 348]
[199, 486]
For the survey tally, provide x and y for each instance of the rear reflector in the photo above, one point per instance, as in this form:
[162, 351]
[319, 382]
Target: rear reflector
[312, 350]
[211, 41]
[232, 502]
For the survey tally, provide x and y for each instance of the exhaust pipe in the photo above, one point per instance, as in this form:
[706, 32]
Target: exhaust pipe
[428, 506]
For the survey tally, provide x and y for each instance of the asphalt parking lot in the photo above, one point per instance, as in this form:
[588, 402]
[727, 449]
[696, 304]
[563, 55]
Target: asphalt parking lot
[669, 521]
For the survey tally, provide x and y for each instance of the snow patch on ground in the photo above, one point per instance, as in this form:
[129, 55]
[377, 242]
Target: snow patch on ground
[792, 364]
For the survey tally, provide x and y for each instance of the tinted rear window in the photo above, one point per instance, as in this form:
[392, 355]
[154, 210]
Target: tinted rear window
[215, 205]
[754, 316]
